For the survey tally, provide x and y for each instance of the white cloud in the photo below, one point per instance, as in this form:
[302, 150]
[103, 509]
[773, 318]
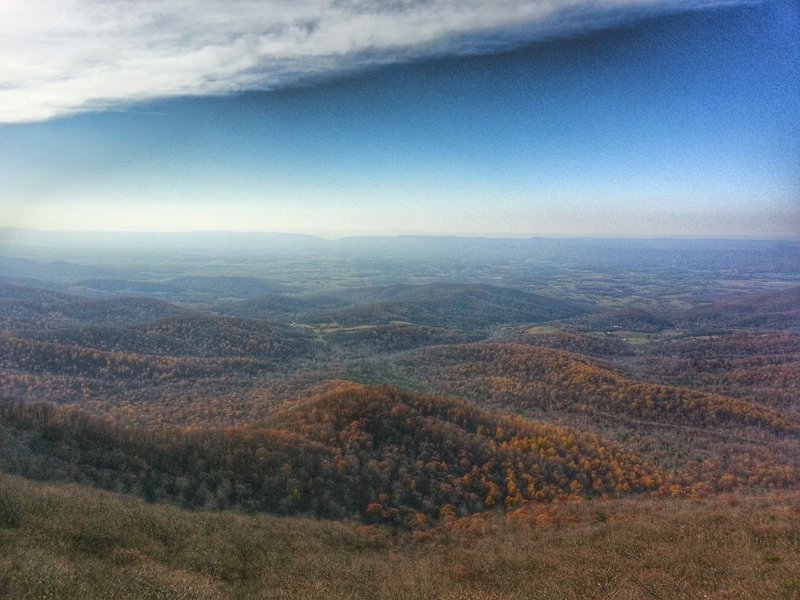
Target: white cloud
[59, 57]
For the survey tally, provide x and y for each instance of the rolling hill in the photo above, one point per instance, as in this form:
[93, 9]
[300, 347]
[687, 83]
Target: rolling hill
[26, 308]
[191, 335]
[455, 306]
[193, 288]
[765, 311]
[534, 380]
[375, 453]
[281, 307]
[758, 366]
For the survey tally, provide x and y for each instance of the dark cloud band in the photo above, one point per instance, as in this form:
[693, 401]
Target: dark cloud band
[57, 58]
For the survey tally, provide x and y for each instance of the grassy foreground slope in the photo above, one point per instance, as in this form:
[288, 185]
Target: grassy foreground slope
[66, 541]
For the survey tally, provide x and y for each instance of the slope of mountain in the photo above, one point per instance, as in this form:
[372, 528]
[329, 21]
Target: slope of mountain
[71, 541]
[282, 307]
[597, 344]
[369, 340]
[188, 287]
[769, 311]
[50, 271]
[457, 306]
[12, 292]
[535, 381]
[25, 308]
[38, 358]
[191, 335]
[761, 367]
[374, 452]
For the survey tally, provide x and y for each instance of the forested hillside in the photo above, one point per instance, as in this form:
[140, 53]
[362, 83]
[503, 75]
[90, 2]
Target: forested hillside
[421, 412]
[535, 380]
[376, 453]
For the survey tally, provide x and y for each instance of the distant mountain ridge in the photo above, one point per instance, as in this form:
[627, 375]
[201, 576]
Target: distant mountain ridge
[784, 253]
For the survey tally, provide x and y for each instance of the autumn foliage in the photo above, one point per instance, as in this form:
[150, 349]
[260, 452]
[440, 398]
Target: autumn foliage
[375, 453]
[532, 380]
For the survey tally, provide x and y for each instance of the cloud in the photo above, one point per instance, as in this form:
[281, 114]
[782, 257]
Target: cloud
[60, 57]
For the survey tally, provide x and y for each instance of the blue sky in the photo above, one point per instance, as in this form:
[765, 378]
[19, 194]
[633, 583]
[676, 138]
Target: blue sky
[629, 119]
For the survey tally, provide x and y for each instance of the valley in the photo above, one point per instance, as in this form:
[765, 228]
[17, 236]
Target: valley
[402, 398]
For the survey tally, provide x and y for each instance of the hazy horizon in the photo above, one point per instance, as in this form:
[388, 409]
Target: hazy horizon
[623, 118]
[334, 236]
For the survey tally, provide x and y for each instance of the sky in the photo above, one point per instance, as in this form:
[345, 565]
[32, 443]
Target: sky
[331, 117]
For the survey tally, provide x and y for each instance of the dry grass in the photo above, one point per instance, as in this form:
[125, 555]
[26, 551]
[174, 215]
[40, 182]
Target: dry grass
[65, 541]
